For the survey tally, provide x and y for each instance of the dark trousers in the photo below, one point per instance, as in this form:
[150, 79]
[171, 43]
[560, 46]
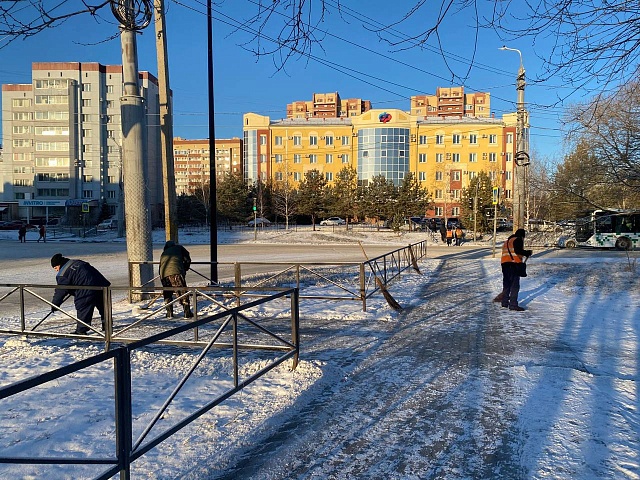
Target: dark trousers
[85, 309]
[176, 280]
[510, 285]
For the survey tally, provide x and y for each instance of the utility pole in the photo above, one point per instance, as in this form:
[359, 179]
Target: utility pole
[136, 197]
[521, 159]
[213, 232]
[166, 126]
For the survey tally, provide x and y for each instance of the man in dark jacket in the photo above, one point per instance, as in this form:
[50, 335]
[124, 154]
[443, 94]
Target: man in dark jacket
[513, 253]
[174, 263]
[77, 273]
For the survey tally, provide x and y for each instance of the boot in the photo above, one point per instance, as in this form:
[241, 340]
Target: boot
[169, 311]
[187, 312]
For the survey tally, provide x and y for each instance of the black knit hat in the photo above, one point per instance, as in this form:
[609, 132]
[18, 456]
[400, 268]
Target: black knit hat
[58, 259]
[520, 233]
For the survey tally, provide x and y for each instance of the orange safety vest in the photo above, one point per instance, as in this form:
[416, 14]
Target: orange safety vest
[449, 233]
[506, 257]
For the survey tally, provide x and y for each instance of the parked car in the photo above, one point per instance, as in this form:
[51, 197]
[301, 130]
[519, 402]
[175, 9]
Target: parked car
[332, 221]
[259, 222]
[453, 222]
[108, 224]
[13, 225]
[434, 224]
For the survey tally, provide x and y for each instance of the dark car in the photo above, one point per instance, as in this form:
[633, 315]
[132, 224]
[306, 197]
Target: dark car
[453, 222]
[12, 225]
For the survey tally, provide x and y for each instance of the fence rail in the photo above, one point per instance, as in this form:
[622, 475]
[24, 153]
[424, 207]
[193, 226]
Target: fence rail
[211, 328]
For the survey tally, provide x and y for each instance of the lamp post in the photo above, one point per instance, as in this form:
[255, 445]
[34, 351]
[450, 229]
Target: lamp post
[522, 156]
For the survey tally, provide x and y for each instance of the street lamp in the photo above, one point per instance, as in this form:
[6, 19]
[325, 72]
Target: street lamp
[522, 156]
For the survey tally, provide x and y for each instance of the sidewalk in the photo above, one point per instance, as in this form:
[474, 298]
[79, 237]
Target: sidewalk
[457, 388]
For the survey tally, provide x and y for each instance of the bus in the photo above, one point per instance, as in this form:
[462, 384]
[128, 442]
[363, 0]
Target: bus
[610, 228]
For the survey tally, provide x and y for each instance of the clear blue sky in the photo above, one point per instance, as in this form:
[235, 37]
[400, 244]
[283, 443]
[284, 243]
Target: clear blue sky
[349, 59]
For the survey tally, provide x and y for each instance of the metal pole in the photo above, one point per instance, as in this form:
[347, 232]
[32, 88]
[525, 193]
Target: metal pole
[139, 244]
[475, 209]
[213, 232]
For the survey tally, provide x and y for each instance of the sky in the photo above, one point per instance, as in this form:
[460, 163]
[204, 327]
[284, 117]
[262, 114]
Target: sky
[452, 387]
[347, 57]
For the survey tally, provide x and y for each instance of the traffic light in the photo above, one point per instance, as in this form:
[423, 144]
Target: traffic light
[254, 205]
[470, 200]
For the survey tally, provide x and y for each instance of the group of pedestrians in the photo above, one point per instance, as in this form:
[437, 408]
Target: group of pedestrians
[71, 274]
[22, 234]
[452, 234]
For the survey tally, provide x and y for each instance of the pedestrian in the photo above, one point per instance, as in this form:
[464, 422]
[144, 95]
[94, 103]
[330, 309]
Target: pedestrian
[79, 273]
[513, 253]
[22, 234]
[43, 234]
[174, 263]
[449, 236]
[443, 232]
[459, 235]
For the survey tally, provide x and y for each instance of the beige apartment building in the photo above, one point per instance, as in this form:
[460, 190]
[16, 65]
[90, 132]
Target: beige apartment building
[192, 166]
[445, 152]
[63, 138]
[328, 105]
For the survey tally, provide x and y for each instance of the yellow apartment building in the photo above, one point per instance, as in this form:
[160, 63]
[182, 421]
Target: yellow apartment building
[444, 152]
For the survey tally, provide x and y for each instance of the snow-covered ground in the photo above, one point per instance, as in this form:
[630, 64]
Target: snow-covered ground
[453, 387]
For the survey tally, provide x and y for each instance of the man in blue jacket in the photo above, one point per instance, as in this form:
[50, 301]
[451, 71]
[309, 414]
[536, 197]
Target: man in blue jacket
[77, 273]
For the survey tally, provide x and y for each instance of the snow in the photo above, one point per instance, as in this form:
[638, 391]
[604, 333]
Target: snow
[452, 387]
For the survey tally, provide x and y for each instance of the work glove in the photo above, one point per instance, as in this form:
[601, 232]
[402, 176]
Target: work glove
[53, 309]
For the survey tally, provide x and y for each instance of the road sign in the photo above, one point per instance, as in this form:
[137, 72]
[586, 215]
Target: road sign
[85, 208]
[496, 195]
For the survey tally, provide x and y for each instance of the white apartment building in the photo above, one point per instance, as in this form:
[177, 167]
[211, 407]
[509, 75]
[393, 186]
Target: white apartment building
[63, 136]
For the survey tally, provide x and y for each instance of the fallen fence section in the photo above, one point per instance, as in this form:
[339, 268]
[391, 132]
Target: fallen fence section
[230, 330]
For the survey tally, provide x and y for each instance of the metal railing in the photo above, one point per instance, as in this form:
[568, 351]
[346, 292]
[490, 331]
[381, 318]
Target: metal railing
[341, 281]
[211, 328]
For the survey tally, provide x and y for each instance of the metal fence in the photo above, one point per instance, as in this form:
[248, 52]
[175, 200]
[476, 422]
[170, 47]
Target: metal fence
[341, 281]
[233, 323]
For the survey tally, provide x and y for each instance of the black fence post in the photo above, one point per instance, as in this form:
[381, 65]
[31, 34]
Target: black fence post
[122, 371]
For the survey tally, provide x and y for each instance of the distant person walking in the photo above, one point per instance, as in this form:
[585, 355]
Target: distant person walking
[443, 232]
[22, 234]
[459, 235]
[174, 263]
[43, 234]
[76, 273]
[513, 253]
[449, 236]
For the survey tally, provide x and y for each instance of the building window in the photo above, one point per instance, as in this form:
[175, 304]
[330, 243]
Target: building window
[87, 194]
[263, 158]
[422, 140]
[472, 175]
[439, 193]
[439, 157]
[263, 139]
[279, 176]
[278, 158]
[509, 137]
[86, 102]
[493, 157]
[297, 158]
[438, 176]
[109, 88]
[455, 194]
[455, 175]
[455, 211]
[328, 158]
[313, 140]
[422, 176]
[297, 176]
[297, 140]
[456, 139]
[111, 194]
[473, 139]
[473, 157]
[422, 158]
[507, 194]
[313, 158]
[345, 158]
[328, 140]
[439, 139]
[278, 141]
[439, 211]
[328, 176]
[345, 140]
[509, 157]
[456, 158]
[86, 178]
[493, 139]
[507, 175]
[109, 103]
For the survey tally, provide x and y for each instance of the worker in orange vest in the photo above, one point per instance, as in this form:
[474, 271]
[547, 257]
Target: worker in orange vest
[513, 256]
